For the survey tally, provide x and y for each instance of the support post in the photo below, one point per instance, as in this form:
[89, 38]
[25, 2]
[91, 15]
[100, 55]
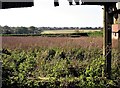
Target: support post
[0, 74]
[107, 40]
[119, 33]
[119, 46]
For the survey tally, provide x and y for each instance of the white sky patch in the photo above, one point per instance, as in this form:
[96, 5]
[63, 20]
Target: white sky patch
[45, 14]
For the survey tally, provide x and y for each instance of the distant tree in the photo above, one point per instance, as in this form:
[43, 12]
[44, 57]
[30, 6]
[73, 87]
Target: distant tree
[32, 29]
[1, 29]
[95, 27]
[7, 30]
[22, 30]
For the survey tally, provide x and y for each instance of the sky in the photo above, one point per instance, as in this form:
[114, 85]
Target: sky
[44, 14]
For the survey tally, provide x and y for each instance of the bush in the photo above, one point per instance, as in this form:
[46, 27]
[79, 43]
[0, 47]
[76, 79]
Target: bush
[75, 68]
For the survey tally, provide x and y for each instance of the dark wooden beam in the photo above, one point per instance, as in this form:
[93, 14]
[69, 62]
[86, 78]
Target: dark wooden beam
[107, 45]
[116, 12]
[97, 3]
[6, 5]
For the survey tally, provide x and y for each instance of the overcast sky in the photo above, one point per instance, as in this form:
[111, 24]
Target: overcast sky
[43, 13]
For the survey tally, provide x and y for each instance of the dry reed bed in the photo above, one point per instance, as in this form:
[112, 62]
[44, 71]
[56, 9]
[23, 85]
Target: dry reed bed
[48, 42]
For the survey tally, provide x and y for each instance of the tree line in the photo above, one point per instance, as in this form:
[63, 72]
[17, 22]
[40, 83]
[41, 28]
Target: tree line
[37, 30]
[19, 30]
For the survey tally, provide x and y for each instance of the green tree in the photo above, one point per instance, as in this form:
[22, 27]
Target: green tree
[32, 29]
[22, 30]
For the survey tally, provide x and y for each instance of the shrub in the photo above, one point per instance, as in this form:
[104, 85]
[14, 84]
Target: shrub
[75, 68]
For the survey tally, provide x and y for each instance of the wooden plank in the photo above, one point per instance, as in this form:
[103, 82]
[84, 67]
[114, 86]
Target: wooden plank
[97, 3]
[16, 4]
[4, 4]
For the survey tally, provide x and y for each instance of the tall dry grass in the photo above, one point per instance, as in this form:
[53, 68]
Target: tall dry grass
[48, 42]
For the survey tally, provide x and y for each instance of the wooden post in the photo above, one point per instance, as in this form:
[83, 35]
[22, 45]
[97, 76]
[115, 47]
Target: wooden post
[0, 74]
[119, 33]
[119, 46]
[107, 42]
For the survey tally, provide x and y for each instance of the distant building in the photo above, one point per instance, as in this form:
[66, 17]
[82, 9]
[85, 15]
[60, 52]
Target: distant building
[116, 31]
[116, 26]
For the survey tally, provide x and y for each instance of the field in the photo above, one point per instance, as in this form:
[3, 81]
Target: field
[31, 42]
[67, 31]
[57, 62]
[48, 42]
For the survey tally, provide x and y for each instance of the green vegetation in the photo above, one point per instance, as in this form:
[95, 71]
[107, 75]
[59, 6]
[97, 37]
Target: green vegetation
[19, 30]
[47, 66]
[49, 31]
[20, 35]
[64, 34]
[95, 34]
[58, 68]
[72, 33]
